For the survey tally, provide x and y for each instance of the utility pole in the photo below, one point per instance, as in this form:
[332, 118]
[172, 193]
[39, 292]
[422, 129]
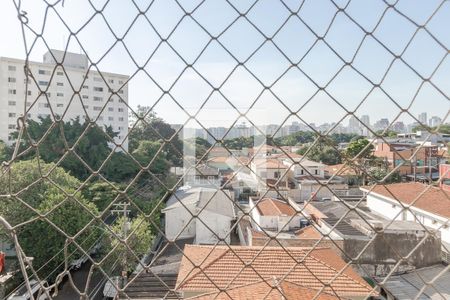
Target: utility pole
[122, 208]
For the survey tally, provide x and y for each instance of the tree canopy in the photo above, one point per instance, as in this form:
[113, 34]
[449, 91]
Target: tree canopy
[40, 239]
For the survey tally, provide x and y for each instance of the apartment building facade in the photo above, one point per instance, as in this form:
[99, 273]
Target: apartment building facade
[62, 85]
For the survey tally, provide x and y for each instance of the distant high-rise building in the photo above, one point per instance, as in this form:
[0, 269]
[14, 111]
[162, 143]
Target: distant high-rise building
[423, 118]
[353, 125]
[398, 127]
[365, 120]
[102, 97]
[381, 124]
[435, 121]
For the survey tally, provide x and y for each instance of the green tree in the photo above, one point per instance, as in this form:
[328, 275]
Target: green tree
[149, 127]
[358, 156]
[39, 239]
[377, 174]
[139, 238]
[5, 152]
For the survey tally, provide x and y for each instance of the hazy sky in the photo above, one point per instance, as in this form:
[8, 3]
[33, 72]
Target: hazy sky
[268, 64]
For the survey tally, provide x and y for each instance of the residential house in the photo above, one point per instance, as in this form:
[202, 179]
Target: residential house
[202, 175]
[374, 243]
[275, 214]
[417, 202]
[205, 214]
[206, 269]
[444, 175]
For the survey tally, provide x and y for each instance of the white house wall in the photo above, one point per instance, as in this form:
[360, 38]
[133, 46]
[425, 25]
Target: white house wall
[390, 210]
[176, 219]
[218, 226]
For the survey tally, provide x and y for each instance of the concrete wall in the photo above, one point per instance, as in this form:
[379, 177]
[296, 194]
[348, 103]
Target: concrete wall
[336, 245]
[388, 248]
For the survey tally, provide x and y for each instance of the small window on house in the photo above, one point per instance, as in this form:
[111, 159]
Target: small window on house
[60, 73]
[121, 119]
[60, 84]
[12, 115]
[29, 93]
[98, 99]
[85, 86]
[98, 89]
[85, 97]
[12, 68]
[11, 79]
[41, 82]
[120, 82]
[316, 172]
[60, 94]
[59, 105]
[120, 110]
[97, 108]
[110, 118]
[12, 103]
[12, 91]
[110, 108]
[111, 80]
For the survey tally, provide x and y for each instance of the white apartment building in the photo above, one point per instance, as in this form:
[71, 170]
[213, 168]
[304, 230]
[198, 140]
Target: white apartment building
[70, 91]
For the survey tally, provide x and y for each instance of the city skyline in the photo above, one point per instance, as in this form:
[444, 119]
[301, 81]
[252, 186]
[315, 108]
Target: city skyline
[290, 93]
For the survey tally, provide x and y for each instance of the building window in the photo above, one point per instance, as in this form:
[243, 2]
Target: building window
[85, 86]
[120, 128]
[59, 105]
[60, 84]
[11, 68]
[43, 72]
[110, 118]
[12, 115]
[12, 91]
[44, 105]
[97, 108]
[85, 97]
[12, 103]
[48, 94]
[316, 172]
[111, 80]
[41, 82]
[98, 79]
[98, 89]
[86, 106]
[60, 73]
[120, 110]
[121, 119]
[110, 108]
[120, 82]
[11, 79]
[98, 99]
[29, 93]
[11, 126]
[60, 94]
[121, 92]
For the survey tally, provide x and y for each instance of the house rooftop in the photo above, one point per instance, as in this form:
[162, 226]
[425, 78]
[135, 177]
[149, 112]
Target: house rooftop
[409, 285]
[210, 199]
[275, 207]
[222, 267]
[271, 290]
[422, 196]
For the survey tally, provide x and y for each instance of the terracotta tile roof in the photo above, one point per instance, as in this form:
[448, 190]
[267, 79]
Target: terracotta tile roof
[274, 207]
[336, 170]
[268, 163]
[268, 290]
[226, 268]
[309, 232]
[434, 200]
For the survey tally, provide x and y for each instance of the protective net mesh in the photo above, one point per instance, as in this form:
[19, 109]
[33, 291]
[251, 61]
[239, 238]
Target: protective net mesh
[101, 198]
